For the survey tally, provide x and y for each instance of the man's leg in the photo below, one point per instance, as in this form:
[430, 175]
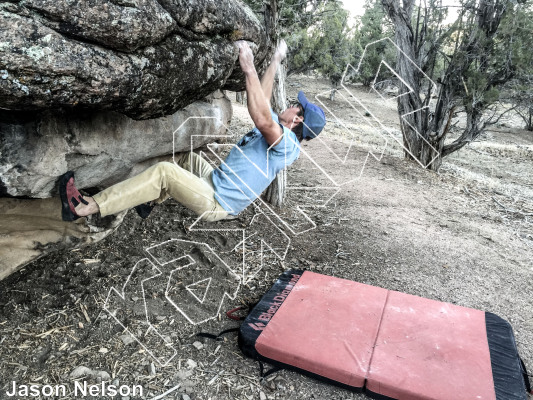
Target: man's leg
[189, 161]
[201, 168]
[158, 182]
[194, 163]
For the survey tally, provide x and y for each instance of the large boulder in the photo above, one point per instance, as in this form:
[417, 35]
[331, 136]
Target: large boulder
[142, 58]
[101, 87]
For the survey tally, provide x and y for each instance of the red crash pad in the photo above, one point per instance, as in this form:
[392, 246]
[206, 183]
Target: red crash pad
[387, 344]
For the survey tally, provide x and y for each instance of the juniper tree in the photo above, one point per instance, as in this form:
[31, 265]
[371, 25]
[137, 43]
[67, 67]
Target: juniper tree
[477, 62]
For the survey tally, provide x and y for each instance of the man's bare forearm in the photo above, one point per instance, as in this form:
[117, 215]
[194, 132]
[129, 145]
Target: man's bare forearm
[258, 106]
[267, 81]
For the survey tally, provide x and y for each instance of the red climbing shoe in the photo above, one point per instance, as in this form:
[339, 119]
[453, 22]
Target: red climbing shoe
[70, 197]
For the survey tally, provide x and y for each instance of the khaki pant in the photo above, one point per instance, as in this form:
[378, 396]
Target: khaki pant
[162, 180]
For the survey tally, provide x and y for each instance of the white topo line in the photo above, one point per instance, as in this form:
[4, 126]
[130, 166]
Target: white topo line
[277, 221]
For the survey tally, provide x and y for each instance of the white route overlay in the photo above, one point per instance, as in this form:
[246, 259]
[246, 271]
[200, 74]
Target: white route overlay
[200, 296]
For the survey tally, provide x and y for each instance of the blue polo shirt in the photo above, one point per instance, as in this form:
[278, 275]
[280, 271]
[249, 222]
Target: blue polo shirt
[251, 166]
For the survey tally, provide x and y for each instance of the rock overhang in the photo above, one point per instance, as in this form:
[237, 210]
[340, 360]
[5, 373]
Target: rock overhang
[142, 58]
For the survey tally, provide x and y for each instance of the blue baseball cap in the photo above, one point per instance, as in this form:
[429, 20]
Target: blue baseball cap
[314, 117]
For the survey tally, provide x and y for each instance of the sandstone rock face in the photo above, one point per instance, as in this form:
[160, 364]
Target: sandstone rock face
[102, 148]
[142, 58]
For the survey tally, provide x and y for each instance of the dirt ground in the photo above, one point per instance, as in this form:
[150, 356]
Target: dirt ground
[463, 236]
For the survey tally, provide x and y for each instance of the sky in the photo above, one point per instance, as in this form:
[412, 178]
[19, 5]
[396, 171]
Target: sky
[355, 7]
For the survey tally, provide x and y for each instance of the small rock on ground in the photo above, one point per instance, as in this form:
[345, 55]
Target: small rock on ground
[198, 345]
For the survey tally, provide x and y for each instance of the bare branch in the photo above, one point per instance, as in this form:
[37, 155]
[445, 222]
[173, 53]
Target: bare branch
[490, 120]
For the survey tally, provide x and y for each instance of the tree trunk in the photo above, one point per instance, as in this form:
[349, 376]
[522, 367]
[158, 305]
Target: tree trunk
[279, 95]
[414, 125]
[240, 97]
[333, 91]
[275, 193]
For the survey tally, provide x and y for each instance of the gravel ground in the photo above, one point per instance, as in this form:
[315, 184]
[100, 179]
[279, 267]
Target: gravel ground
[462, 236]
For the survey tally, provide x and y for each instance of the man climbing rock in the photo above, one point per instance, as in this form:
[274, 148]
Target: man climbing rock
[213, 194]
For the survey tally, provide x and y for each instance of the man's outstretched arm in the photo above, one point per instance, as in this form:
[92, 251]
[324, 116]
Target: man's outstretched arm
[267, 81]
[258, 106]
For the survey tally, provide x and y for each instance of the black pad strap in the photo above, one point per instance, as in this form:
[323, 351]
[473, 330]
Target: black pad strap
[271, 371]
[219, 336]
[75, 201]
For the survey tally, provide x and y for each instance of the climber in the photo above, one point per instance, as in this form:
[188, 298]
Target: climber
[214, 194]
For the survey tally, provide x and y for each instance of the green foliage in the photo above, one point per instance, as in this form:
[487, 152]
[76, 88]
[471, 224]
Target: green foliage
[372, 26]
[431, 36]
[316, 32]
[517, 37]
[501, 54]
[461, 54]
[514, 39]
[325, 45]
[294, 15]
